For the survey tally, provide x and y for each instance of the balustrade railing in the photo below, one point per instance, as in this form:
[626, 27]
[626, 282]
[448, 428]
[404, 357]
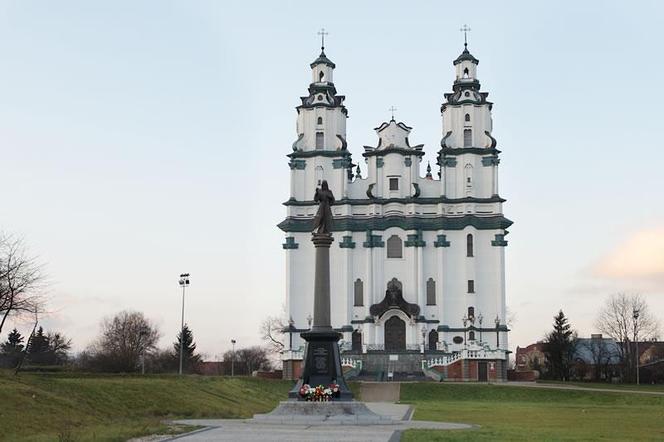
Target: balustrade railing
[464, 354]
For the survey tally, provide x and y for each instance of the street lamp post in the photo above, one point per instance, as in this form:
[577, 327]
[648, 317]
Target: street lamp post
[184, 282]
[635, 315]
[465, 323]
[497, 321]
[233, 341]
[479, 319]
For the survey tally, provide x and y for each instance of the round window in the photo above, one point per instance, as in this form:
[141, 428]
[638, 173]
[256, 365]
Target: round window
[467, 94]
[320, 98]
[457, 340]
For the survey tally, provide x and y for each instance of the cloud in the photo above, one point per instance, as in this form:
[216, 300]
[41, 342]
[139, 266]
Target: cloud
[639, 257]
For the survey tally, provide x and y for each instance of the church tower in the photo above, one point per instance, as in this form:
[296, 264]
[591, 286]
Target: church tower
[417, 267]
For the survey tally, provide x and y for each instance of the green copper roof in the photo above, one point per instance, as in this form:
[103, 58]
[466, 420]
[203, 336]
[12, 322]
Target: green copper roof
[322, 59]
[465, 55]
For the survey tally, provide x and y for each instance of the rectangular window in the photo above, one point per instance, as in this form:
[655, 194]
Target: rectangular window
[394, 183]
[471, 286]
[467, 138]
[431, 292]
[320, 140]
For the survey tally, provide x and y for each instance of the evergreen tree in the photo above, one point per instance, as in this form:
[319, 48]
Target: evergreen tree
[559, 348]
[39, 347]
[14, 343]
[190, 357]
[10, 351]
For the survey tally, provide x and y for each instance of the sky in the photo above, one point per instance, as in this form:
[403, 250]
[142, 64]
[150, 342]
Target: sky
[141, 140]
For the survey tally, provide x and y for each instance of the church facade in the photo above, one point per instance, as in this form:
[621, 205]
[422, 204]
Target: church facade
[418, 263]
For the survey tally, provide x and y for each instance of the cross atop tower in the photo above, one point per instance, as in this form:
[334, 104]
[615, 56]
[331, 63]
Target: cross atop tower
[392, 109]
[322, 34]
[465, 29]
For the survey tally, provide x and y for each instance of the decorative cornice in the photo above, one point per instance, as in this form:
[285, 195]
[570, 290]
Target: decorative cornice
[409, 200]
[448, 162]
[439, 222]
[342, 163]
[473, 150]
[441, 241]
[399, 150]
[297, 164]
[415, 240]
[372, 240]
[492, 160]
[319, 153]
[499, 240]
[347, 243]
[290, 243]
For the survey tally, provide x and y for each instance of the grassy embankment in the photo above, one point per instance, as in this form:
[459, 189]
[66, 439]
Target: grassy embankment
[523, 413]
[114, 408]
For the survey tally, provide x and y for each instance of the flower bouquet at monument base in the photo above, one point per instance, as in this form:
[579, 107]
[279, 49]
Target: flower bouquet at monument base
[319, 393]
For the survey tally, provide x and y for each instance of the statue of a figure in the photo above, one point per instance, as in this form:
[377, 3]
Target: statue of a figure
[323, 218]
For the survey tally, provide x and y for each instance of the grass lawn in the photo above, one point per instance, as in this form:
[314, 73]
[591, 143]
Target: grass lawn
[642, 387]
[47, 407]
[522, 413]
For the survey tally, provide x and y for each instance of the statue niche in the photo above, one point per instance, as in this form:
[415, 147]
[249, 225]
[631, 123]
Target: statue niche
[394, 300]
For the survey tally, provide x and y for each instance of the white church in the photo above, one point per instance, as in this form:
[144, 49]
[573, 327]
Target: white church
[418, 262]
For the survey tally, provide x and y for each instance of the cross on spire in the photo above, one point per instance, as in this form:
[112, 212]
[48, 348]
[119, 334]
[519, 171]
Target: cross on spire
[465, 29]
[322, 34]
[392, 109]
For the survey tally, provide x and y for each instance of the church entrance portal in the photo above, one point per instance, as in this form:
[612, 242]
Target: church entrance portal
[395, 334]
[433, 340]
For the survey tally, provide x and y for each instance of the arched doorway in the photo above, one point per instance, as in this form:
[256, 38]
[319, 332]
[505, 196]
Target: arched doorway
[433, 340]
[357, 341]
[395, 334]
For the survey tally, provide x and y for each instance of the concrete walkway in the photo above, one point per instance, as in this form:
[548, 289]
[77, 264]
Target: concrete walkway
[576, 387]
[380, 391]
[248, 430]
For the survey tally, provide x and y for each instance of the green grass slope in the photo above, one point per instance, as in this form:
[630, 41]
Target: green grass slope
[515, 414]
[110, 408]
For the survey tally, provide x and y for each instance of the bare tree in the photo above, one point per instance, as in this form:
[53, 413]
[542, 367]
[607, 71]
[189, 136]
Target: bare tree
[248, 359]
[272, 330]
[617, 319]
[125, 339]
[21, 280]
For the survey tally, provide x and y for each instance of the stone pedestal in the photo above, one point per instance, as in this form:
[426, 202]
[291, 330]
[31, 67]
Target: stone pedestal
[322, 361]
[335, 413]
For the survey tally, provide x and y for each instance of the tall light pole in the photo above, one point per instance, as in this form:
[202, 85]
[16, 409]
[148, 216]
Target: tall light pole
[635, 315]
[184, 283]
[233, 341]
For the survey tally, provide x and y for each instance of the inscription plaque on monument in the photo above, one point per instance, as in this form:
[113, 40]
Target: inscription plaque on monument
[321, 360]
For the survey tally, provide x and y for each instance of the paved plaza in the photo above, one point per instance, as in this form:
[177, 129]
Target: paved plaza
[245, 430]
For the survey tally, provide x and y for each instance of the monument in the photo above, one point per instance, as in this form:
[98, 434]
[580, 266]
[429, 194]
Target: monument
[322, 361]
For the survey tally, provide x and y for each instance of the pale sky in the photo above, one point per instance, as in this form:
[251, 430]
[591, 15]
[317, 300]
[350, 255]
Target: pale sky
[141, 140]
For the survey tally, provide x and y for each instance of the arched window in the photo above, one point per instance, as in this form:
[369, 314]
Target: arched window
[356, 341]
[359, 293]
[321, 74]
[471, 335]
[394, 247]
[431, 292]
[467, 118]
[320, 120]
[467, 137]
[471, 312]
[433, 340]
[469, 245]
[320, 140]
[465, 73]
